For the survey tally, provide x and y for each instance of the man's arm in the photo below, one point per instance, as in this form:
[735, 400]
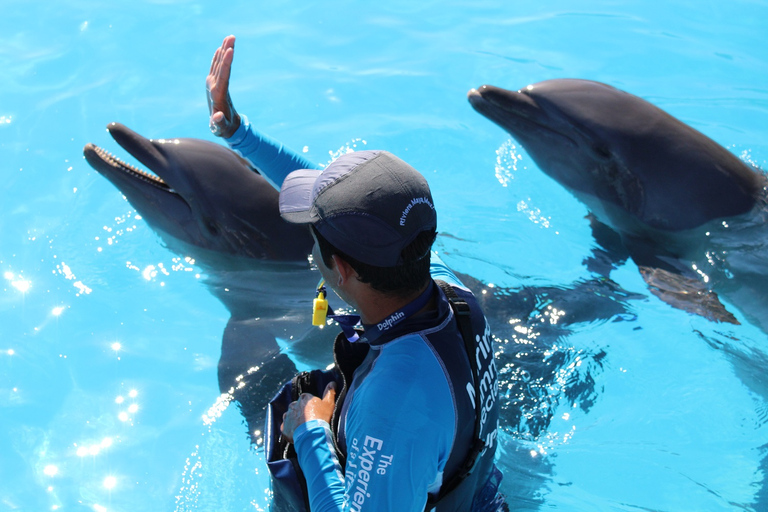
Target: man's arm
[306, 424]
[270, 158]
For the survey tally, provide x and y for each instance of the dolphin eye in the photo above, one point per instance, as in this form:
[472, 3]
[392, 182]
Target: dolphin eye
[601, 152]
[212, 229]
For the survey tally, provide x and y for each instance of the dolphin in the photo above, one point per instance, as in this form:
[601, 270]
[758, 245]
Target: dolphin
[206, 202]
[675, 200]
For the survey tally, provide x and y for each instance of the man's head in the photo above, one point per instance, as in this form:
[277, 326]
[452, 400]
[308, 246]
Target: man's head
[373, 210]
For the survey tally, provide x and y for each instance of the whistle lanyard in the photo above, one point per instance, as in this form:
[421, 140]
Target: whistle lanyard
[321, 310]
[372, 331]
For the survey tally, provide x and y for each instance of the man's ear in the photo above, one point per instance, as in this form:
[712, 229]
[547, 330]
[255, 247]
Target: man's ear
[343, 268]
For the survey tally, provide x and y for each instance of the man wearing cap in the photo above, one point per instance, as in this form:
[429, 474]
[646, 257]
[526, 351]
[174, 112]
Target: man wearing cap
[414, 426]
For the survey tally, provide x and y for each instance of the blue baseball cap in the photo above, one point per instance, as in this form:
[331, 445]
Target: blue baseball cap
[368, 204]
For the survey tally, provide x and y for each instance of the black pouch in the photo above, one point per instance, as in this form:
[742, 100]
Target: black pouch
[289, 487]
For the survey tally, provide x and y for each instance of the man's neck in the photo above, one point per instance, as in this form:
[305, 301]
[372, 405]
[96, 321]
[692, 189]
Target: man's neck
[375, 306]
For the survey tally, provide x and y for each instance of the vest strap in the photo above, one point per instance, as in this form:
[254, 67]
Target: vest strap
[462, 313]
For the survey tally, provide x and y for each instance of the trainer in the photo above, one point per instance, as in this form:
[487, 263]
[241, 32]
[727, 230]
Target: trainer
[413, 427]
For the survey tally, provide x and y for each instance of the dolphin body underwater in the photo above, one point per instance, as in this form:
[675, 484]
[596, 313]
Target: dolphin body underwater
[208, 203]
[688, 212]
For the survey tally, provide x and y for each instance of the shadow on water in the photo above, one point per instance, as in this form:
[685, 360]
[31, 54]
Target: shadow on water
[749, 364]
[544, 373]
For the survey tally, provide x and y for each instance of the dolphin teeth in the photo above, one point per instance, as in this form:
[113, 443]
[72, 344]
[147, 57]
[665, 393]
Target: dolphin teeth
[112, 160]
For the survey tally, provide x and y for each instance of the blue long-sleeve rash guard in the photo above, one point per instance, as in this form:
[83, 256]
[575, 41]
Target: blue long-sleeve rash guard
[400, 426]
[400, 421]
[272, 160]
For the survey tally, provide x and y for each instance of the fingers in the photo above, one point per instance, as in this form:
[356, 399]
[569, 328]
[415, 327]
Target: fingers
[221, 66]
[214, 61]
[309, 407]
[287, 427]
[223, 57]
[227, 44]
[217, 81]
[224, 120]
[223, 73]
[216, 124]
[329, 395]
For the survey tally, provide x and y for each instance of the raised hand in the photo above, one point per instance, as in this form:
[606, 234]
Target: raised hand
[224, 119]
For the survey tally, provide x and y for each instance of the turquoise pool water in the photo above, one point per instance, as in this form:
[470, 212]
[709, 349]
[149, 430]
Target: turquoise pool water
[109, 341]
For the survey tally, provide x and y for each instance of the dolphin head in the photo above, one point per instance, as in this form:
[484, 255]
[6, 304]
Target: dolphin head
[620, 153]
[202, 194]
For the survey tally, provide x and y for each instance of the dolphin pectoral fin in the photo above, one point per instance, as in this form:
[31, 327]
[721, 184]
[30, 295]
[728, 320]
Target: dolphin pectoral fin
[247, 345]
[609, 253]
[686, 293]
[252, 369]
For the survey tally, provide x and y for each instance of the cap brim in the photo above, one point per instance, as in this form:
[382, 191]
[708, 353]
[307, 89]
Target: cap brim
[296, 195]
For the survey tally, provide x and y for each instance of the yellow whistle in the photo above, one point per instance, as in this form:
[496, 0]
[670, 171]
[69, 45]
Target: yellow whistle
[319, 306]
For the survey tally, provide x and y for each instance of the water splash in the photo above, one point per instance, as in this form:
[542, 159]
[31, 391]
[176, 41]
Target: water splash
[64, 269]
[350, 147]
[534, 214]
[208, 481]
[506, 162]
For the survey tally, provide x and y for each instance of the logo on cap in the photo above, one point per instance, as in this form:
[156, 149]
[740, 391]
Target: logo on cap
[414, 202]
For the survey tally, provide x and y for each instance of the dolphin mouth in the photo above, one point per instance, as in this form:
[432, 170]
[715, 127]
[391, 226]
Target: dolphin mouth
[516, 112]
[105, 162]
[487, 99]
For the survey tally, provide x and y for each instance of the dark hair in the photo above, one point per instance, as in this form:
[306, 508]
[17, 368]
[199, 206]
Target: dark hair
[402, 280]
